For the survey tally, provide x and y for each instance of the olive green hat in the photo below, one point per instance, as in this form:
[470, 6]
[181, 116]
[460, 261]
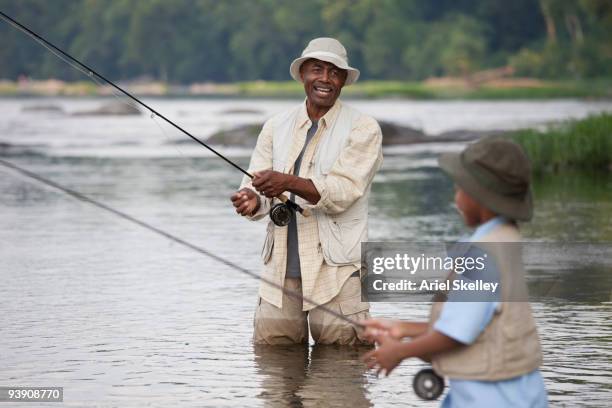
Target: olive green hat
[496, 173]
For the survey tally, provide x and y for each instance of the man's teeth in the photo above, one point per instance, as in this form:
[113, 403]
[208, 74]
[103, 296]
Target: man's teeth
[325, 90]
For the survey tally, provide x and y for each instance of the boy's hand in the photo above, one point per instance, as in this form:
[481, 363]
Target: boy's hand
[375, 327]
[395, 329]
[386, 357]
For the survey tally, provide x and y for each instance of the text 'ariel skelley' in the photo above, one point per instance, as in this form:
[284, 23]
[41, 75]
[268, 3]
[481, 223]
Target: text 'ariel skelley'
[435, 285]
[422, 263]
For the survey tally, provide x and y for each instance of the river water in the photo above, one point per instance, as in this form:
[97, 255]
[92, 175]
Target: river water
[121, 317]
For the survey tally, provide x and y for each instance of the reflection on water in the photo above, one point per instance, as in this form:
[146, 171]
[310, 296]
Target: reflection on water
[573, 207]
[303, 376]
[120, 317]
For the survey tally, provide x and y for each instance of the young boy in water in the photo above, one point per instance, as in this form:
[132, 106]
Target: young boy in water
[489, 350]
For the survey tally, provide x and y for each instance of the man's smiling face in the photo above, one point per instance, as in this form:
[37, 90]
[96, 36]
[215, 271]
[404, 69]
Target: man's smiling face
[323, 82]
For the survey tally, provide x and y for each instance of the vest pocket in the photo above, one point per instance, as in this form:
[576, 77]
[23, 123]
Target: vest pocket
[344, 243]
[353, 306]
[521, 351]
[349, 298]
[466, 361]
[521, 344]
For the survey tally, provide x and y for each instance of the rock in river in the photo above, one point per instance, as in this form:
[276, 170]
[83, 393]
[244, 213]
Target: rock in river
[42, 108]
[111, 109]
[393, 134]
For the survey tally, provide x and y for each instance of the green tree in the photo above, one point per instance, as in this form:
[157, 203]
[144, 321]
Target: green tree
[465, 46]
[211, 40]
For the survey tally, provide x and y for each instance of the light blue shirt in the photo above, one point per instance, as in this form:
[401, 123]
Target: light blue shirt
[523, 391]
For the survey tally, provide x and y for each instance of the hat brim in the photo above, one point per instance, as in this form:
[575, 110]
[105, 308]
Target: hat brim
[520, 209]
[352, 73]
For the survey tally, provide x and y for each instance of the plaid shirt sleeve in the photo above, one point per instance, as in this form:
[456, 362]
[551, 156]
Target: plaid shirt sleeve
[354, 170]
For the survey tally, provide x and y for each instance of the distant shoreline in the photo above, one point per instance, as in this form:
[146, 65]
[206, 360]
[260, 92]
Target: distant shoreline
[432, 89]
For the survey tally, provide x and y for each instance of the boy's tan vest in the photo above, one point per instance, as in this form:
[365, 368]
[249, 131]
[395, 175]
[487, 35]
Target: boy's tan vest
[509, 346]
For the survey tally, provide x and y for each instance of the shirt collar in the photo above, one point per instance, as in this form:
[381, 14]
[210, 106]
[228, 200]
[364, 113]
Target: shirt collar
[485, 228]
[325, 120]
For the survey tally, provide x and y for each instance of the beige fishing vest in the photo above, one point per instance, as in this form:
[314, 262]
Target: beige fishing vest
[509, 346]
[340, 234]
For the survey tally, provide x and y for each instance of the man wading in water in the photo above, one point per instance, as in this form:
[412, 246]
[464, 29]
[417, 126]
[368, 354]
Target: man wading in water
[324, 154]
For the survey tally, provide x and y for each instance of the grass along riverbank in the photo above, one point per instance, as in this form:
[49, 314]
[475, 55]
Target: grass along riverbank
[435, 88]
[575, 145]
[448, 88]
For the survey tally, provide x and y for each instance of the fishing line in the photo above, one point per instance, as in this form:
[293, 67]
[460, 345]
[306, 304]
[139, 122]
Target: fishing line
[118, 96]
[89, 74]
[168, 138]
[174, 238]
[280, 213]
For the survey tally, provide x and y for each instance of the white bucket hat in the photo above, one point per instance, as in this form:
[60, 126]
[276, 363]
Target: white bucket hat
[325, 49]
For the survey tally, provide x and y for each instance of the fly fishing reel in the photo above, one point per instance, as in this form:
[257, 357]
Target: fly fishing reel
[281, 214]
[428, 385]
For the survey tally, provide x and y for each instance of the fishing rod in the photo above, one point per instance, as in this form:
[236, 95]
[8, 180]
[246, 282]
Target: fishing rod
[426, 384]
[280, 213]
[174, 238]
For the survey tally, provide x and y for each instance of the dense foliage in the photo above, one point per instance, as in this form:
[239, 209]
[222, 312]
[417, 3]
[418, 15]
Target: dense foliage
[185, 41]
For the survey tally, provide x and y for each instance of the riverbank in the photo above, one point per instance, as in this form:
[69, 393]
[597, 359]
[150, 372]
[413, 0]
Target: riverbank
[434, 88]
[572, 145]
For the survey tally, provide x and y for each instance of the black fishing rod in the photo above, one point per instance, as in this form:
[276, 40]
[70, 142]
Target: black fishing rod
[174, 238]
[280, 213]
[426, 384]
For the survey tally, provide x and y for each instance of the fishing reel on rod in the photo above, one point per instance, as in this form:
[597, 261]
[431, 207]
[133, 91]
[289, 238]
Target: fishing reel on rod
[281, 213]
[428, 385]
